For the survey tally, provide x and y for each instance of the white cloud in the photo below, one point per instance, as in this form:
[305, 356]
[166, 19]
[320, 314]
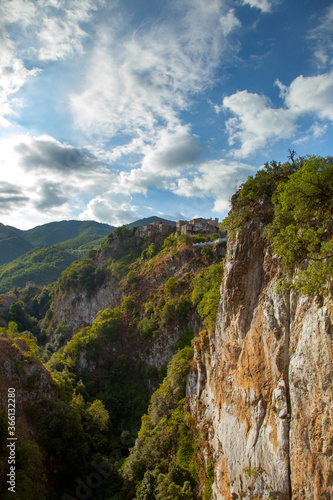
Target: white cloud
[255, 122]
[263, 5]
[313, 94]
[13, 75]
[173, 153]
[218, 178]
[139, 80]
[113, 208]
[174, 150]
[229, 22]
[51, 180]
[322, 38]
[46, 30]
[316, 131]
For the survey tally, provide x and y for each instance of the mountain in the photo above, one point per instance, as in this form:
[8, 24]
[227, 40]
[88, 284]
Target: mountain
[57, 232]
[12, 244]
[72, 236]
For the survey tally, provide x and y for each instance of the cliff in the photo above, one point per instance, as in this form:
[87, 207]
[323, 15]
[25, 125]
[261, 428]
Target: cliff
[264, 381]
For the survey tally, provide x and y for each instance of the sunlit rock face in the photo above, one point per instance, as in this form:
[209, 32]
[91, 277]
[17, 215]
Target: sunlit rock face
[265, 382]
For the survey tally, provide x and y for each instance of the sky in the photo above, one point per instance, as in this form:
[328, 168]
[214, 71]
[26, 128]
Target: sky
[114, 110]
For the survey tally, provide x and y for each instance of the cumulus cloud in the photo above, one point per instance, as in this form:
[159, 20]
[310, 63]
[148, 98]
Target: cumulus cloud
[174, 151]
[8, 203]
[219, 178]
[52, 180]
[257, 123]
[47, 153]
[114, 208]
[11, 197]
[313, 94]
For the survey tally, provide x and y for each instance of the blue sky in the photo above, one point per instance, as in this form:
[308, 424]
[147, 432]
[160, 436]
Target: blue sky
[117, 110]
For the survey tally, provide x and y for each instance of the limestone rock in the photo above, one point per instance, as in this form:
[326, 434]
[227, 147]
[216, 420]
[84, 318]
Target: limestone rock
[268, 388]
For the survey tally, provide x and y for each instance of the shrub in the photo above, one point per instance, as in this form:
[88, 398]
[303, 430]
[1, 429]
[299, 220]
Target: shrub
[82, 274]
[183, 239]
[30, 479]
[146, 327]
[170, 286]
[199, 239]
[169, 241]
[62, 435]
[150, 252]
[128, 304]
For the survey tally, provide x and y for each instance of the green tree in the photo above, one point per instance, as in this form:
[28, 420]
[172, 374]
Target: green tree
[62, 435]
[303, 225]
[108, 324]
[244, 204]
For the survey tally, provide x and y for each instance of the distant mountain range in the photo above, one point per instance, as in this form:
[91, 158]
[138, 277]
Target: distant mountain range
[40, 254]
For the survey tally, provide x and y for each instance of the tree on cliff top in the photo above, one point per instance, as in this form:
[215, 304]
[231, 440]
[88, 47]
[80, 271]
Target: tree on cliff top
[302, 227]
[295, 199]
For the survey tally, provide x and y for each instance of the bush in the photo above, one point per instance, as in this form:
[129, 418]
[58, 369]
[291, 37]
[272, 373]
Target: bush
[170, 286]
[63, 438]
[169, 241]
[183, 239]
[82, 274]
[146, 327]
[151, 471]
[199, 239]
[128, 304]
[173, 387]
[30, 479]
[150, 252]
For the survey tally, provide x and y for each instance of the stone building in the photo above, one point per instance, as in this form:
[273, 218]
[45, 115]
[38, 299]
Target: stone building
[160, 227]
[196, 226]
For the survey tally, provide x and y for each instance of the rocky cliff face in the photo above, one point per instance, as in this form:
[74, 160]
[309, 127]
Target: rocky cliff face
[264, 382]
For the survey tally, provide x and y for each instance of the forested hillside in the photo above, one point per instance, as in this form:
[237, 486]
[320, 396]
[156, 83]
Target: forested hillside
[39, 255]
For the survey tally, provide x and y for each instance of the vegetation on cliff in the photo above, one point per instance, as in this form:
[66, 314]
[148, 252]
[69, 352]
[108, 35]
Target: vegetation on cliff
[295, 200]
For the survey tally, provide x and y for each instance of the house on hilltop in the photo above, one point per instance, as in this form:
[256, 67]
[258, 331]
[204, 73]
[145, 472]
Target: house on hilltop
[196, 226]
[159, 227]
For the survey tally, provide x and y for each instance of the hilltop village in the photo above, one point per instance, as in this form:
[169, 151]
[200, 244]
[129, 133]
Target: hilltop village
[193, 227]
